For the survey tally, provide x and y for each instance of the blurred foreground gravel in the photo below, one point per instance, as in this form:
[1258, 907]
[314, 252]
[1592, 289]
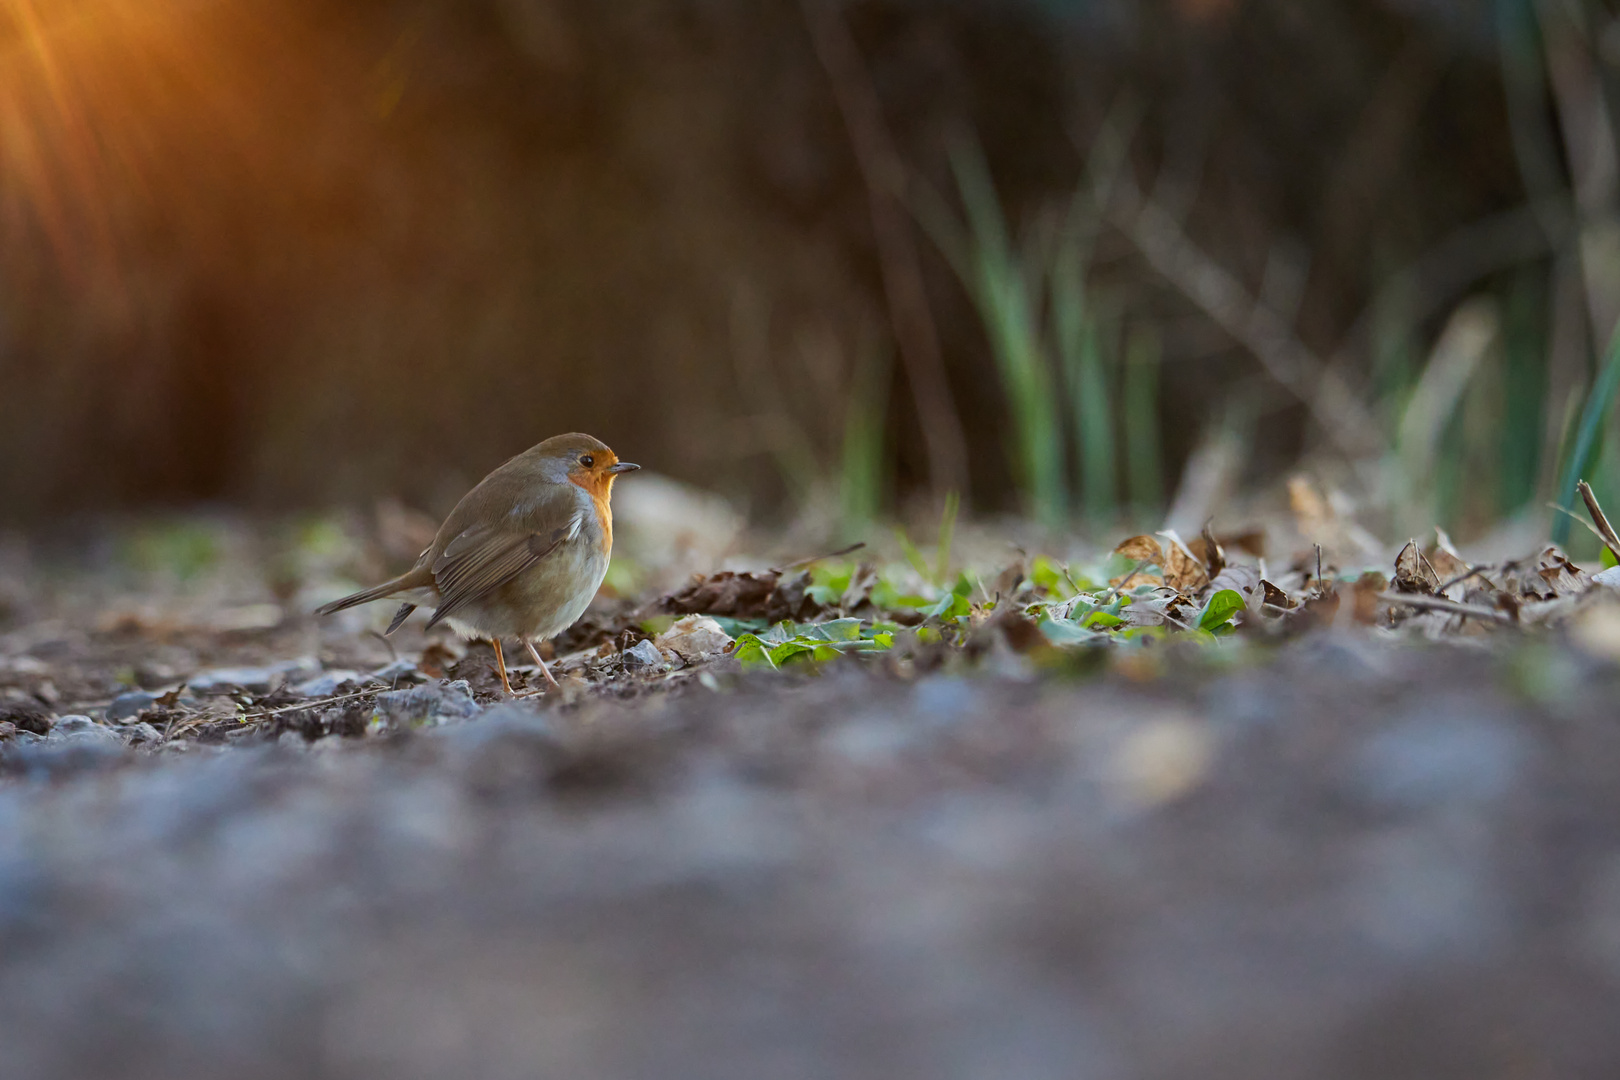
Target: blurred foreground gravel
[1353, 861]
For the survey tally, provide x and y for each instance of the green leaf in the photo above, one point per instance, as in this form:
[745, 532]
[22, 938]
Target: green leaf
[790, 650]
[1220, 609]
[738, 627]
[824, 595]
[1102, 620]
[1069, 632]
[751, 652]
[1046, 574]
[886, 596]
[1608, 557]
[841, 629]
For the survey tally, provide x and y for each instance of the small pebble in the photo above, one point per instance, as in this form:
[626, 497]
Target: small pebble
[82, 729]
[401, 670]
[327, 684]
[130, 705]
[259, 680]
[436, 703]
[142, 733]
[643, 655]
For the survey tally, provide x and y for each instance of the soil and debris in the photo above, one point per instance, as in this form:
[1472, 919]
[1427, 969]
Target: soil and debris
[1172, 811]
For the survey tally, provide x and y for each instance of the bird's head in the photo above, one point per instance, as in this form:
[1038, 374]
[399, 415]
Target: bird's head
[585, 462]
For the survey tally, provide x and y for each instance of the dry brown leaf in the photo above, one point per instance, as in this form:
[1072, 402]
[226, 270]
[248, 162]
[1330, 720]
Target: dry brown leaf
[1320, 606]
[1561, 575]
[1275, 597]
[1312, 514]
[768, 595]
[1447, 561]
[1207, 548]
[1369, 609]
[1131, 579]
[1413, 574]
[1183, 571]
[1140, 549]
[1007, 582]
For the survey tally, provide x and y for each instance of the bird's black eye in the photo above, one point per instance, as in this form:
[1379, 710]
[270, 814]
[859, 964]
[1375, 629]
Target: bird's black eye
[586, 460]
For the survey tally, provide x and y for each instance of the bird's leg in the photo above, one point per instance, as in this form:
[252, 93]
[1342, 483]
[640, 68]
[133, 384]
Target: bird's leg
[500, 662]
[543, 669]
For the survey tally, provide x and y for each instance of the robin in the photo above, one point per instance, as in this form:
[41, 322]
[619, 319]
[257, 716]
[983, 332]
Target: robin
[522, 553]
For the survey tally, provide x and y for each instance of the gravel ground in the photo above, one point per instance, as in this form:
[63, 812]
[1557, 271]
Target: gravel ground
[1335, 859]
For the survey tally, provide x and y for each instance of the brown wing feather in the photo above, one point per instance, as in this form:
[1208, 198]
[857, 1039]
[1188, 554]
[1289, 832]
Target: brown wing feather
[475, 564]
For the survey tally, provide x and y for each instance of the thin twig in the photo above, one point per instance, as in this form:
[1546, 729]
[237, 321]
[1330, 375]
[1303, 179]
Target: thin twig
[1605, 530]
[1460, 578]
[884, 174]
[1158, 236]
[1436, 603]
[313, 703]
[1577, 519]
[817, 558]
[1126, 580]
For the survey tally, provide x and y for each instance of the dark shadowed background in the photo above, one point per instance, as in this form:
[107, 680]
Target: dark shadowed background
[289, 254]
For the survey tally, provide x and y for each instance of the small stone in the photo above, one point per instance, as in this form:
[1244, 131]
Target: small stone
[253, 679]
[431, 705]
[142, 733]
[130, 705]
[77, 729]
[151, 676]
[328, 683]
[23, 665]
[642, 656]
[401, 670]
[7, 729]
[257, 680]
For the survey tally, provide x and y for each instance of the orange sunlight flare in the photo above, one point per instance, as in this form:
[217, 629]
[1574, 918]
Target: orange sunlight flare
[107, 107]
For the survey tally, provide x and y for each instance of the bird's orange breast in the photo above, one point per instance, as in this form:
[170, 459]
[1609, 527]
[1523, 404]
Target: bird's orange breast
[600, 489]
[604, 518]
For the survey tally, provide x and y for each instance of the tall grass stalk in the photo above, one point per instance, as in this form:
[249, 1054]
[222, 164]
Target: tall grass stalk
[1008, 303]
[1588, 441]
[1091, 404]
[1524, 389]
[861, 471]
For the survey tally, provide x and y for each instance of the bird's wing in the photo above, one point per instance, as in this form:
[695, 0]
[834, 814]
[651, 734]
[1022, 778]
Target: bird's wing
[482, 559]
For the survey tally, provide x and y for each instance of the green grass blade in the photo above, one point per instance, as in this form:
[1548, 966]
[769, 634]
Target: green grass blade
[1091, 411]
[947, 532]
[1588, 436]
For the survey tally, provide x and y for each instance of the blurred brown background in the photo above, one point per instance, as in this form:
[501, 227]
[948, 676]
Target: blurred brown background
[295, 253]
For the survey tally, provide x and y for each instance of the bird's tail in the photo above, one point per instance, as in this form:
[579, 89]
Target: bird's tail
[415, 578]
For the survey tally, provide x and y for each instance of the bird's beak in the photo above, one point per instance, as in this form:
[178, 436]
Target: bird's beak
[623, 466]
